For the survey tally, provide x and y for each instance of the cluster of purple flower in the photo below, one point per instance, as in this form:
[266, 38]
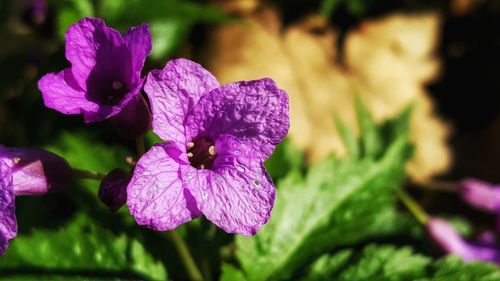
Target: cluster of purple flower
[216, 136]
[480, 195]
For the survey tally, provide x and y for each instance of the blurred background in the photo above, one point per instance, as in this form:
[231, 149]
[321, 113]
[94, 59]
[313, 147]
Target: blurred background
[439, 57]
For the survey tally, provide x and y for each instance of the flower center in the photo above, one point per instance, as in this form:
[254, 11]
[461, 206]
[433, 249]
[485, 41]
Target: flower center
[201, 153]
[115, 94]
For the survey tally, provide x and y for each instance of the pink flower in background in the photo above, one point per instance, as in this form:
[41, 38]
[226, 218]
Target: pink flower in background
[450, 241]
[212, 163]
[104, 79]
[481, 195]
[26, 172]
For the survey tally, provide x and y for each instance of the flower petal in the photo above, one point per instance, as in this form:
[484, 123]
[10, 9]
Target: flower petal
[172, 93]
[97, 51]
[254, 111]
[134, 120]
[138, 40]
[8, 224]
[237, 194]
[61, 92]
[36, 172]
[155, 195]
[450, 241]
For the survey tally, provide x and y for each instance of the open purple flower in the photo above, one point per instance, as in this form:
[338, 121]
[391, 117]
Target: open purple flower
[212, 163]
[450, 241]
[104, 79]
[26, 172]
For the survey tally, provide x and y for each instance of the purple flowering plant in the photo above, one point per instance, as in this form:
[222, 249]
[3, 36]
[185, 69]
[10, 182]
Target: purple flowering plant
[205, 179]
[216, 137]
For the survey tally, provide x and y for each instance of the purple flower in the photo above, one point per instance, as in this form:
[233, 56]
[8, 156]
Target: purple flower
[212, 163]
[481, 195]
[26, 172]
[450, 241]
[104, 79]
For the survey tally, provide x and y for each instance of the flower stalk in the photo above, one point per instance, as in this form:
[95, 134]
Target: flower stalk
[85, 174]
[186, 257]
[180, 245]
[413, 206]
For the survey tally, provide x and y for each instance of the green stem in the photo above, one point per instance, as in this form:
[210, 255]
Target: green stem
[186, 257]
[444, 186]
[139, 146]
[85, 174]
[412, 206]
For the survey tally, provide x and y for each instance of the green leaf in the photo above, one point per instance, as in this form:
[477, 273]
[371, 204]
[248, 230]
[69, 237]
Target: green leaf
[336, 204]
[286, 157]
[85, 152]
[231, 273]
[79, 251]
[452, 269]
[387, 262]
[170, 20]
[372, 141]
[328, 7]
[69, 12]
[348, 138]
[327, 266]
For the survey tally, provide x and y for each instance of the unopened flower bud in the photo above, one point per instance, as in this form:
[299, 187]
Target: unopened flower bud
[481, 195]
[35, 171]
[113, 189]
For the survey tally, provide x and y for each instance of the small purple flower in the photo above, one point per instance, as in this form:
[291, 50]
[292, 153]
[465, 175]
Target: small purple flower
[104, 79]
[26, 172]
[481, 195]
[212, 163]
[450, 241]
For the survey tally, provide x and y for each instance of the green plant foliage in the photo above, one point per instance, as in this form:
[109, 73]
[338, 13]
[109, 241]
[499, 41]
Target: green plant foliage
[79, 251]
[286, 158]
[353, 7]
[386, 262]
[85, 152]
[231, 273]
[170, 20]
[337, 203]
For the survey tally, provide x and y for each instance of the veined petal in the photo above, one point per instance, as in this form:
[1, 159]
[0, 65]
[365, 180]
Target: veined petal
[8, 224]
[95, 50]
[156, 195]
[237, 194]
[61, 92]
[138, 40]
[172, 92]
[253, 111]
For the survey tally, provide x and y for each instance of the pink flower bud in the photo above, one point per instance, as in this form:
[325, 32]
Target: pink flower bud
[35, 171]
